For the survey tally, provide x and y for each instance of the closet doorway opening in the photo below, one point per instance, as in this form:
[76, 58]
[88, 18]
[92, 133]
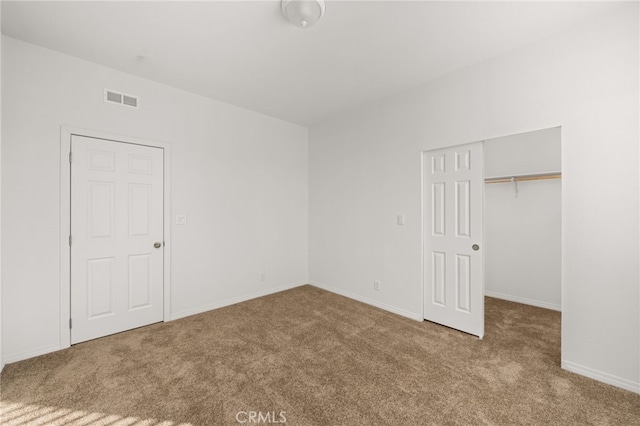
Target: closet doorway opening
[492, 226]
[523, 218]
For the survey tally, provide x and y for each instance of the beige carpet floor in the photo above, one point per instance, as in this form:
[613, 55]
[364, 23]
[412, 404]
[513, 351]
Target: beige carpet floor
[309, 357]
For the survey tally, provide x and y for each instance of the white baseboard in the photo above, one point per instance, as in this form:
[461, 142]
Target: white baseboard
[232, 301]
[601, 377]
[524, 300]
[368, 301]
[11, 358]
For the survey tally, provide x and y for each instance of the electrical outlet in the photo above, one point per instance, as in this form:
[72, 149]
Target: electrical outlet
[263, 277]
[376, 285]
[400, 219]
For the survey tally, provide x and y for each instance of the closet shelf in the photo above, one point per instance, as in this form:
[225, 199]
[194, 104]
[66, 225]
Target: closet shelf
[520, 178]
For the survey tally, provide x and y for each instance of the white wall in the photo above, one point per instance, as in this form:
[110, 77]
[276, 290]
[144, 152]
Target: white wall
[1, 357]
[525, 153]
[365, 168]
[522, 231]
[241, 178]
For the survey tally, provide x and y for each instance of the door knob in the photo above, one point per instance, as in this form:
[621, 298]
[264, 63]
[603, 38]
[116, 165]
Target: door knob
[157, 244]
[475, 247]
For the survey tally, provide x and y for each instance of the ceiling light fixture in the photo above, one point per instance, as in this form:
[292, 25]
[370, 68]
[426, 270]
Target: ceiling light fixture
[303, 13]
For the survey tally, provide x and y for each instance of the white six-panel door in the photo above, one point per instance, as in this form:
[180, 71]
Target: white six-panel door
[116, 237]
[453, 237]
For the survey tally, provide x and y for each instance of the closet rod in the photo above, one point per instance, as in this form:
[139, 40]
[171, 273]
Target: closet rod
[538, 176]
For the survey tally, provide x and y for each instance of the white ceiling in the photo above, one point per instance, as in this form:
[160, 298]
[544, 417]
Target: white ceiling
[245, 52]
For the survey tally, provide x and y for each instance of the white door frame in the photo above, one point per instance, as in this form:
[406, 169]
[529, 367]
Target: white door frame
[65, 220]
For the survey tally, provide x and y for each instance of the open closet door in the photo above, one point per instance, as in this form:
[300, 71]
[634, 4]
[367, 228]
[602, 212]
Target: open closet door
[453, 237]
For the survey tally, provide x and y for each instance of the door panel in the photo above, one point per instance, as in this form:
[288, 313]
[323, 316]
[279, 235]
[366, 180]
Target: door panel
[139, 281]
[100, 287]
[116, 217]
[139, 209]
[454, 276]
[100, 213]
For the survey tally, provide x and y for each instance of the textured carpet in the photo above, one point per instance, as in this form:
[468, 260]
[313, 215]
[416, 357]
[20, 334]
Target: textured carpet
[309, 357]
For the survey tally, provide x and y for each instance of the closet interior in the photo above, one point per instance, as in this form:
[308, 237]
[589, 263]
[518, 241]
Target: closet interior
[523, 218]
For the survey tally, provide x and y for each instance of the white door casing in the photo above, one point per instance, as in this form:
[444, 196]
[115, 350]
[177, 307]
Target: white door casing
[453, 196]
[117, 211]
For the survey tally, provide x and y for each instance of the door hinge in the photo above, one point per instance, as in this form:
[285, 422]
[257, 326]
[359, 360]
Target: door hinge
[70, 157]
[70, 240]
[69, 323]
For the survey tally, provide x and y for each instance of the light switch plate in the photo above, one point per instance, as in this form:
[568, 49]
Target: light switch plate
[181, 219]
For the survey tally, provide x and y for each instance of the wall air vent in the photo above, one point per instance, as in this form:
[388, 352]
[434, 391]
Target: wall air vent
[114, 97]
